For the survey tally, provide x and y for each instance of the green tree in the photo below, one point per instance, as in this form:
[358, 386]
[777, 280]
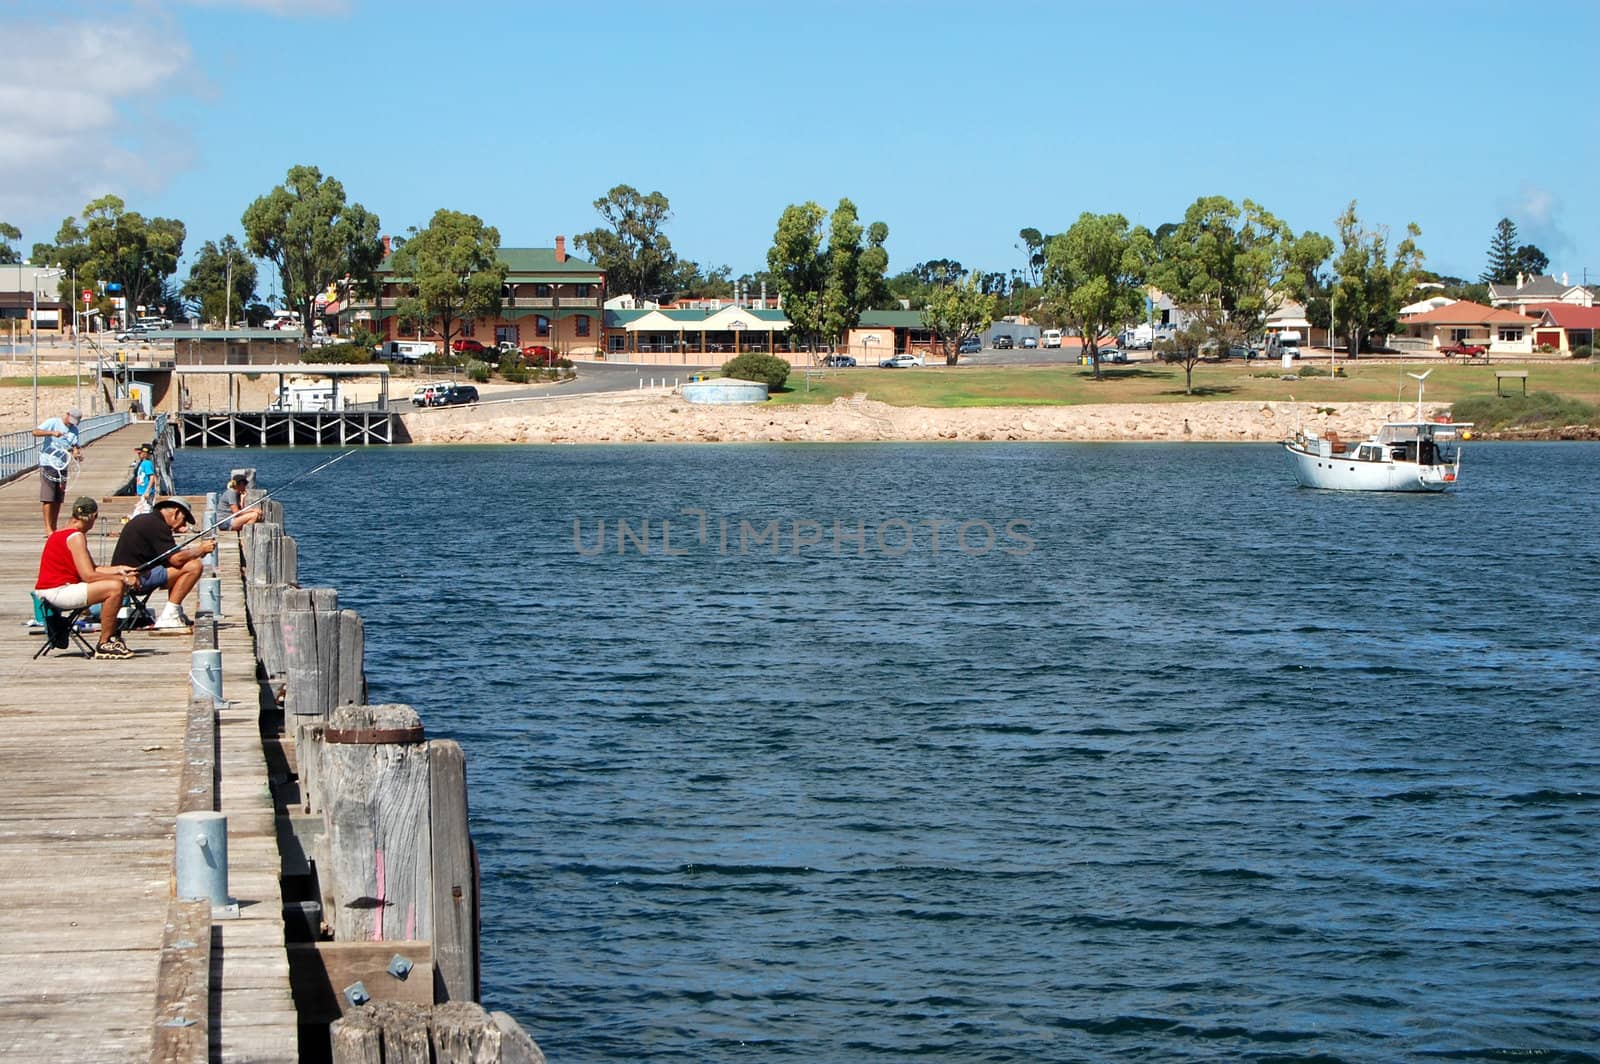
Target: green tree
[956, 311]
[207, 285]
[9, 234]
[1187, 346]
[1530, 261]
[450, 272]
[1372, 285]
[109, 244]
[855, 271]
[1032, 248]
[635, 253]
[305, 228]
[1227, 263]
[825, 288]
[1502, 268]
[1094, 277]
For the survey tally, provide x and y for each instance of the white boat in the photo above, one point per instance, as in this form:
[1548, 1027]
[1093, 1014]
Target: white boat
[1417, 455]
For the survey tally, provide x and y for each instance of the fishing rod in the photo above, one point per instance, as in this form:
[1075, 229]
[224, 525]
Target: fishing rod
[229, 518]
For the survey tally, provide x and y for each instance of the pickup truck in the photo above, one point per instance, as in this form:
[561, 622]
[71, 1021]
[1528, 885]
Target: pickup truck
[1464, 348]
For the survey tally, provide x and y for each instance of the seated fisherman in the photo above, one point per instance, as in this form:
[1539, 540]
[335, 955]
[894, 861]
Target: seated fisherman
[233, 499]
[69, 579]
[147, 543]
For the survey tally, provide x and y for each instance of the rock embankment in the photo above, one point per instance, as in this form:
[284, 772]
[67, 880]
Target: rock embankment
[658, 418]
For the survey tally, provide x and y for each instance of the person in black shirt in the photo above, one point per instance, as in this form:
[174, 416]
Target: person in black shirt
[147, 537]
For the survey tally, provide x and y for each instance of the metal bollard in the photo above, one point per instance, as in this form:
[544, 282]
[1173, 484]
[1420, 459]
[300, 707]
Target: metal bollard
[203, 857]
[210, 596]
[205, 675]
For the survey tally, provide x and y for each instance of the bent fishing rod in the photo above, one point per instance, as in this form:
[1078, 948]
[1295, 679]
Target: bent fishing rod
[229, 518]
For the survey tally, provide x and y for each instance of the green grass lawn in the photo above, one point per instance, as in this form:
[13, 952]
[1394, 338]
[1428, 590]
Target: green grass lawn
[943, 386]
[27, 382]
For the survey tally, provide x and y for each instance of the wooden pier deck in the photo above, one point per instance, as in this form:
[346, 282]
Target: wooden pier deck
[92, 755]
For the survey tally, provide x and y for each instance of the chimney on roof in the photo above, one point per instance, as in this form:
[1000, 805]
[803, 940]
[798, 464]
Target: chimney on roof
[561, 249]
[1519, 280]
[1564, 281]
[386, 247]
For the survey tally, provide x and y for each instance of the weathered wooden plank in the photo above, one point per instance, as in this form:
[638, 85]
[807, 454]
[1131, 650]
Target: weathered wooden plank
[455, 915]
[377, 797]
[321, 971]
[516, 1045]
[311, 631]
[352, 660]
[197, 783]
[183, 989]
[357, 1038]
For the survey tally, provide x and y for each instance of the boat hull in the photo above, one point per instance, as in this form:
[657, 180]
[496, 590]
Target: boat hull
[1341, 473]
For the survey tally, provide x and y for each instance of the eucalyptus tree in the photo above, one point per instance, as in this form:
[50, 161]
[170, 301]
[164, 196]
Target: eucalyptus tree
[1094, 277]
[1372, 284]
[450, 273]
[314, 237]
[1228, 264]
[219, 265]
[633, 251]
[826, 285]
[9, 234]
[957, 310]
[110, 245]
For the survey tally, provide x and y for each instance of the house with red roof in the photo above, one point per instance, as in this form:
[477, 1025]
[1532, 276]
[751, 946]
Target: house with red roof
[1563, 326]
[1503, 332]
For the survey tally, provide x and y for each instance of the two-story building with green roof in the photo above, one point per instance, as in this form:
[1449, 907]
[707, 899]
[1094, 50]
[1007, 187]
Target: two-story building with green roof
[550, 298]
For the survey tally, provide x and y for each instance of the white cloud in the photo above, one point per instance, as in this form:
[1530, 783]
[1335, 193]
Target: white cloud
[64, 138]
[1538, 212]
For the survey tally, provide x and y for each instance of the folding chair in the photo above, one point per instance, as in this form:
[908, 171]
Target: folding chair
[60, 628]
[135, 612]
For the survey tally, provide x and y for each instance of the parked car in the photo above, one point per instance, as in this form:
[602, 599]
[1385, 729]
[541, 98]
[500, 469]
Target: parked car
[1243, 351]
[1113, 354]
[467, 346]
[1001, 342]
[1051, 338]
[838, 361]
[507, 347]
[1465, 348]
[424, 393]
[1030, 343]
[538, 355]
[903, 361]
[454, 395]
[970, 346]
[134, 332]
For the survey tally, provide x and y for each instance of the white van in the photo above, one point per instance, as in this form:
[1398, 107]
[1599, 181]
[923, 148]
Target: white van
[406, 350]
[1050, 338]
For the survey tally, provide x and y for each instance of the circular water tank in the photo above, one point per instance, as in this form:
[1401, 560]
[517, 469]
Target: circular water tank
[725, 391]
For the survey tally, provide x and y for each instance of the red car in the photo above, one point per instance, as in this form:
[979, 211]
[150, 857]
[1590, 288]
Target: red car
[1465, 349]
[467, 347]
[538, 355]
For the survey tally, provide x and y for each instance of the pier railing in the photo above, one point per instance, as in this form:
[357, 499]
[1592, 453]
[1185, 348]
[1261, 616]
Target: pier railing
[383, 932]
[19, 451]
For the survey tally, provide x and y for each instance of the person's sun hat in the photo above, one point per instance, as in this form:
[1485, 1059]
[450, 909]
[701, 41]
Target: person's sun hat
[174, 504]
[74, 416]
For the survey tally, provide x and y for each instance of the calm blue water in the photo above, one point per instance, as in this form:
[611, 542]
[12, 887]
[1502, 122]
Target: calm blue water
[1219, 769]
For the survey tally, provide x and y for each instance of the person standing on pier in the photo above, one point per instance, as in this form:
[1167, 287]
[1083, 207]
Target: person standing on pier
[144, 479]
[233, 499]
[70, 580]
[148, 544]
[59, 446]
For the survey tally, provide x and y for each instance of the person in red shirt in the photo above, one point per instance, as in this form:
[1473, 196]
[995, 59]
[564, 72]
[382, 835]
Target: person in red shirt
[69, 579]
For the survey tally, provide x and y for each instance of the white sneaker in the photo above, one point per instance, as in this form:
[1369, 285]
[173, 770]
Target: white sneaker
[188, 622]
[171, 618]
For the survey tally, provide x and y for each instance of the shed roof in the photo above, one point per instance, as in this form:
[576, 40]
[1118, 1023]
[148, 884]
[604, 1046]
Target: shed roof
[1568, 315]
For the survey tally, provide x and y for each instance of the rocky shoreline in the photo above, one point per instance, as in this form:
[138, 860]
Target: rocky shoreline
[665, 418]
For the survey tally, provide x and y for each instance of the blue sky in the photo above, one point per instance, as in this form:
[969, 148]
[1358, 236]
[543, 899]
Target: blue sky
[956, 124]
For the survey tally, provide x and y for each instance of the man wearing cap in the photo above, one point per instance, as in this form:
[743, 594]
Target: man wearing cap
[144, 479]
[148, 544]
[69, 579]
[58, 445]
